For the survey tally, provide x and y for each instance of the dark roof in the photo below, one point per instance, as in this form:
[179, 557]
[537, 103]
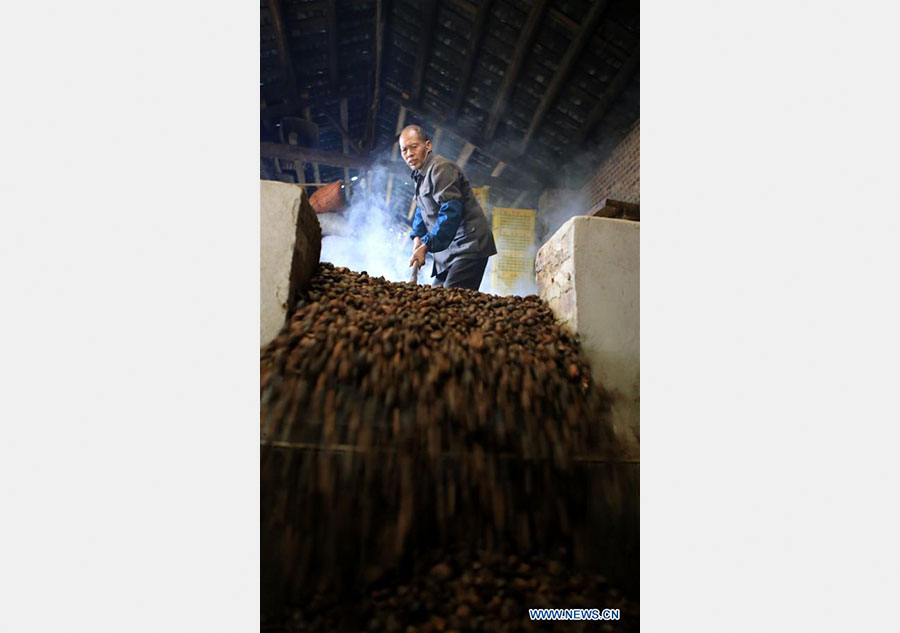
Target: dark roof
[548, 87]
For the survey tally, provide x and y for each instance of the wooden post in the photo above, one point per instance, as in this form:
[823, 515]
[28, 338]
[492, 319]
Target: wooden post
[344, 123]
[307, 114]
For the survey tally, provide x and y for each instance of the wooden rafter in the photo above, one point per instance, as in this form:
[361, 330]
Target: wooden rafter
[429, 13]
[571, 25]
[622, 37]
[381, 10]
[278, 110]
[615, 88]
[464, 6]
[287, 67]
[563, 19]
[345, 125]
[475, 38]
[294, 152]
[307, 114]
[345, 134]
[331, 14]
[561, 77]
[334, 159]
[284, 50]
[605, 45]
[523, 47]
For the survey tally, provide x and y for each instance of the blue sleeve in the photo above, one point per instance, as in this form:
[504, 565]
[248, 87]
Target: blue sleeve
[418, 226]
[441, 234]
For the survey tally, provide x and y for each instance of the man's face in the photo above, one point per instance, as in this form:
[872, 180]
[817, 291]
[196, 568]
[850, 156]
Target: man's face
[413, 149]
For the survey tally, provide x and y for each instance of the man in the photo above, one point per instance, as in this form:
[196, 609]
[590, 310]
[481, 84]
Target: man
[448, 223]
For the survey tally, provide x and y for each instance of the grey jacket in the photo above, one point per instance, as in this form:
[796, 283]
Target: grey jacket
[441, 180]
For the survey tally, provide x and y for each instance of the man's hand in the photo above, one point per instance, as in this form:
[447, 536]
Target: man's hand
[419, 251]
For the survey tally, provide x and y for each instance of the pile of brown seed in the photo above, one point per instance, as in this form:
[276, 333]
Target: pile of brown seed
[372, 363]
[397, 418]
[470, 591]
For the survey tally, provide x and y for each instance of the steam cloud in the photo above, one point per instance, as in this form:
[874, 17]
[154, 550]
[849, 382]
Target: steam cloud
[365, 237]
[567, 204]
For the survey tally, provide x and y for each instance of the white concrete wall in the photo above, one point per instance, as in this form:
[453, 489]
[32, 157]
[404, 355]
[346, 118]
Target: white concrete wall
[280, 208]
[589, 273]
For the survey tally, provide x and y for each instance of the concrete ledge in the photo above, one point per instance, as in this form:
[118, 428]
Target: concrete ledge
[290, 245]
[589, 274]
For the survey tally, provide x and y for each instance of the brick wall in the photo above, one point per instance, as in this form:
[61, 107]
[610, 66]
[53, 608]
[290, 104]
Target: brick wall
[619, 176]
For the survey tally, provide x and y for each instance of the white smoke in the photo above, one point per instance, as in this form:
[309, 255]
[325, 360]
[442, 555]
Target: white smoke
[567, 204]
[370, 239]
[522, 286]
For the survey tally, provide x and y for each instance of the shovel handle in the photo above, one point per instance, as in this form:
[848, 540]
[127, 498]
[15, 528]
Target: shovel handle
[415, 272]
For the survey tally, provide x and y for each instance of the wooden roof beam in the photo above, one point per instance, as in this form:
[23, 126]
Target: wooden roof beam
[429, 14]
[563, 19]
[572, 25]
[523, 47]
[331, 14]
[334, 159]
[566, 66]
[345, 134]
[284, 51]
[382, 9]
[615, 88]
[345, 125]
[307, 114]
[308, 155]
[465, 6]
[278, 110]
[475, 38]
